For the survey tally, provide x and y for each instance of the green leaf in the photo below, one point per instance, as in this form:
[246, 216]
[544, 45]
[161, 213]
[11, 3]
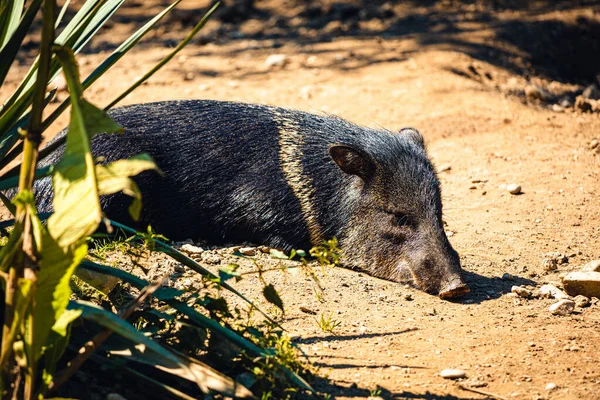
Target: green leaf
[23, 299]
[273, 297]
[9, 51]
[162, 293]
[53, 289]
[165, 60]
[10, 15]
[58, 339]
[77, 211]
[278, 254]
[229, 272]
[115, 177]
[143, 344]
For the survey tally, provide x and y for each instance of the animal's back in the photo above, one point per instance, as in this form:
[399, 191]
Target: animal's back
[232, 171]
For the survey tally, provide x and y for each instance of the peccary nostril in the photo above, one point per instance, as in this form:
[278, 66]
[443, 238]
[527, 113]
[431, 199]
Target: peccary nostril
[454, 290]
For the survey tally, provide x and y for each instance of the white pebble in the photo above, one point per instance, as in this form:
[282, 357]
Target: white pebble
[191, 249]
[276, 60]
[449, 373]
[248, 251]
[563, 307]
[551, 386]
[210, 258]
[521, 291]
[513, 188]
[552, 292]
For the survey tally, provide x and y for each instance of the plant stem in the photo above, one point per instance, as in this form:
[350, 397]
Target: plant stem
[32, 140]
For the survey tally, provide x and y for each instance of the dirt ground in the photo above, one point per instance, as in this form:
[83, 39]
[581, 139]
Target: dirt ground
[458, 74]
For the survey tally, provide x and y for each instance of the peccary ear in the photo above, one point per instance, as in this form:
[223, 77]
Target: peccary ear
[352, 161]
[413, 135]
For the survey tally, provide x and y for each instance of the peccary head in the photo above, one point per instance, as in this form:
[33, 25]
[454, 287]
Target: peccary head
[395, 230]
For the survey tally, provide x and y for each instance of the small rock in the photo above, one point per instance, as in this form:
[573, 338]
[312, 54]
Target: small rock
[551, 261]
[584, 105]
[307, 310]
[592, 266]
[591, 92]
[558, 108]
[507, 277]
[264, 249]
[521, 291]
[449, 373]
[189, 76]
[312, 60]
[586, 283]
[563, 307]
[552, 292]
[551, 386]
[537, 93]
[306, 92]
[408, 297]
[248, 251]
[210, 258]
[191, 249]
[581, 301]
[179, 268]
[276, 60]
[565, 102]
[513, 188]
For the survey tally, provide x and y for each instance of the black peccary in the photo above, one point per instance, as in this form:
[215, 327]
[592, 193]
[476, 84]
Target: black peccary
[287, 179]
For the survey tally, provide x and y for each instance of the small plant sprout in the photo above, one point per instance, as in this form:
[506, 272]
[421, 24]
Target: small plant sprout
[327, 323]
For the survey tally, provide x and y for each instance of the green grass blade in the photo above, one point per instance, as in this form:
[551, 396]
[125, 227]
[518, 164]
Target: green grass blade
[10, 50]
[10, 15]
[162, 62]
[8, 140]
[182, 258]
[88, 20]
[162, 293]
[100, 70]
[63, 10]
[121, 327]
[13, 181]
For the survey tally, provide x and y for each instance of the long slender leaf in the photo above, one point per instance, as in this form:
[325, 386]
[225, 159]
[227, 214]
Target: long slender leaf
[13, 182]
[198, 318]
[97, 73]
[104, 361]
[89, 19]
[62, 13]
[9, 19]
[13, 135]
[124, 329]
[182, 258]
[9, 52]
[162, 62]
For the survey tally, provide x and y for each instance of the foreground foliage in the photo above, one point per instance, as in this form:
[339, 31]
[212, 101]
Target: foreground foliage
[42, 322]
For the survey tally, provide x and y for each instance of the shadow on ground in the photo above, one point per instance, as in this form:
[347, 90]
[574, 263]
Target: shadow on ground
[519, 39]
[484, 288]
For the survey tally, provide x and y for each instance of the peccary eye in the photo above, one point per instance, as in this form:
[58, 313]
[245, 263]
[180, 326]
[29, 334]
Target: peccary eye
[400, 219]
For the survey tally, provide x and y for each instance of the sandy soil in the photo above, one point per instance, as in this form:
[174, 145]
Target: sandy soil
[437, 80]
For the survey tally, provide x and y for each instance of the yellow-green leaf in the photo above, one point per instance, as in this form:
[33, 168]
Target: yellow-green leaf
[77, 211]
[114, 177]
